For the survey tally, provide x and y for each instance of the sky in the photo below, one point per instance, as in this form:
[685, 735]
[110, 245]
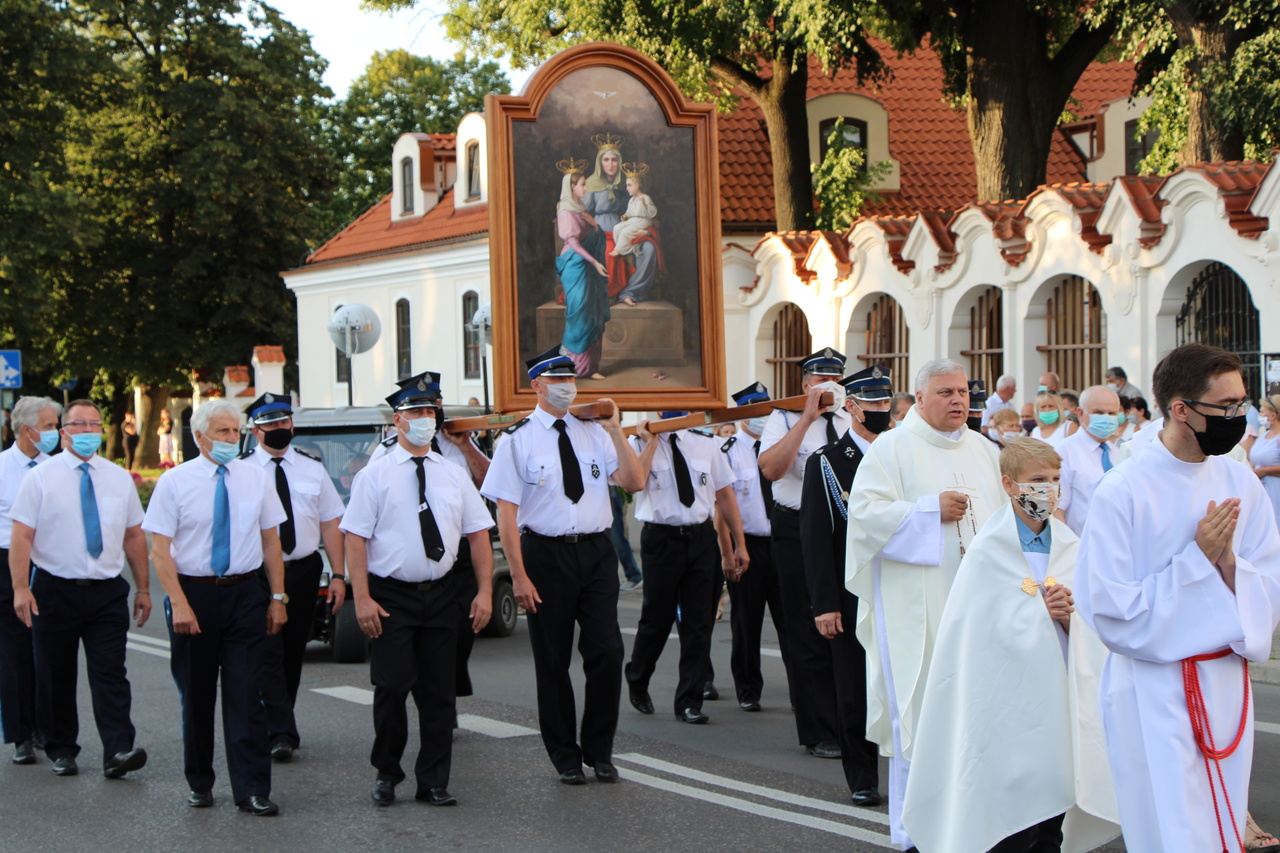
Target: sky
[347, 36]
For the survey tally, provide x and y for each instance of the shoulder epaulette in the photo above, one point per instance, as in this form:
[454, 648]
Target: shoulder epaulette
[729, 442]
[515, 426]
[387, 442]
[308, 455]
[246, 454]
[702, 431]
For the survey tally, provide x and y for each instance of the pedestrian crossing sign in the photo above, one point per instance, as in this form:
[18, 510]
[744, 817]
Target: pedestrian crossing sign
[10, 368]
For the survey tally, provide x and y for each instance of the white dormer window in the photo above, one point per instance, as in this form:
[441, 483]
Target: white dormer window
[406, 182]
[473, 170]
[866, 127]
[415, 186]
[471, 186]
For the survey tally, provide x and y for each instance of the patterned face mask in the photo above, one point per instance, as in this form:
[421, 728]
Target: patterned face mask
[1038, 500]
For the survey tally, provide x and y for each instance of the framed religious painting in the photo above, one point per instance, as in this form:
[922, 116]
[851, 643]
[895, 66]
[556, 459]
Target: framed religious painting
[604, 233]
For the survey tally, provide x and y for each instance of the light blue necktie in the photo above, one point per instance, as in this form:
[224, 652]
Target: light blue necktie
[221, 525]
[1106, 457]
[89, 512]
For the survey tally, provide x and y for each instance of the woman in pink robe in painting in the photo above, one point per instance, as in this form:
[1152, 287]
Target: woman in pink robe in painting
[583, 276]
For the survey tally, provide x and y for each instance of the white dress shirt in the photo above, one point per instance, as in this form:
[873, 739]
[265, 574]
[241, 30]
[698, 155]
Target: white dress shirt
[786, 490]
[49, 501]
[746, 483]
[181, 508]
[526, 472]
[994, 404]
[14, 466]
[384, 510]
[1081, 470]
[659, 501]
[449, 451]
[311, 493]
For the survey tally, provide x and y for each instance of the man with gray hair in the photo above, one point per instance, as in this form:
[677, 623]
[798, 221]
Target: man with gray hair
[1088, 453]
[35, 430]
[213, 524]
[921, 495]
[1006, 387]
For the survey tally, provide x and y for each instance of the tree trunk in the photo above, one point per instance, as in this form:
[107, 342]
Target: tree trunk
[113, 418]
[154, 400]
[1209, 136]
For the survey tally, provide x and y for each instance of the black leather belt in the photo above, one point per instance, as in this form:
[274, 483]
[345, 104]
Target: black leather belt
[305, 559]
[679, 530]
[420, 586]
[777, 507]
[76, 581]
[225, 580]
[571, 538]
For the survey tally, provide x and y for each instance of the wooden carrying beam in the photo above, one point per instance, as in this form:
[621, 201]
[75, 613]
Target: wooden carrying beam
[582, 411]
[737, 413]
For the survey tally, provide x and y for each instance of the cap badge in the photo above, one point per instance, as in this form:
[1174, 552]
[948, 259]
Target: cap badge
[422, 384]
[876, 374]
[828, 353]
[267, 398]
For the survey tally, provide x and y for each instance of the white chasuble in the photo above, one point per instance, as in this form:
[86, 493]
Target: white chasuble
[996, 747]
[1154, 600]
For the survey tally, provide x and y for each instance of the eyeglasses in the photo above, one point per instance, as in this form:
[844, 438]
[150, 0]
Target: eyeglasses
[1231, 410]
[96, 425]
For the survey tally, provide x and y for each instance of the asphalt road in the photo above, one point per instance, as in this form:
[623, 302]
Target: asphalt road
[739, 783]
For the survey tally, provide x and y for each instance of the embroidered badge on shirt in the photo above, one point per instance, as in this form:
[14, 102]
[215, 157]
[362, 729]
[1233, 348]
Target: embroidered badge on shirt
[702, 479]
[595, 471]
[849, 451]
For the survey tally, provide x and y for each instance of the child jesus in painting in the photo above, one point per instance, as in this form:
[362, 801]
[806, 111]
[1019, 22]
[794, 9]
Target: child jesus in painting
[640, 211]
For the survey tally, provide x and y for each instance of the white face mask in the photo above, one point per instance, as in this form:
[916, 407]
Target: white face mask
[837, 395]
[421, 431]
[1039, 500]
[756, 425]
[1010, 436]
[561, 394]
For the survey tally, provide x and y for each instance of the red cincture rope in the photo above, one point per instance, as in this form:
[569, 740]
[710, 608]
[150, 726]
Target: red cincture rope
[1204, 735]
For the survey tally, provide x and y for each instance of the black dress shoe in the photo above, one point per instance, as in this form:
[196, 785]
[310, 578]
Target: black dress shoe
[573, 777]
[709, 692]
[282, 751]
[749, 705]
[384, 792]
[25, 752]
[824, 749]
[65, 767]
[125, 762]
[200, 799]
[641, 702]
[258, 806]
[692, 715]
[606, 772]
[866, 797]
[437, 797]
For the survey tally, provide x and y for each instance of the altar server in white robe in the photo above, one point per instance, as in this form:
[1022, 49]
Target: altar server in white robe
[1179, 574]
[920, 497]
[994, 764]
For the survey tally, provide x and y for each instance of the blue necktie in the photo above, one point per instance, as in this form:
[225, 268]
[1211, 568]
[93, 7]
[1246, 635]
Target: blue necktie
[1106, 458]
[221, 525]
[89, 512]
[33, 463]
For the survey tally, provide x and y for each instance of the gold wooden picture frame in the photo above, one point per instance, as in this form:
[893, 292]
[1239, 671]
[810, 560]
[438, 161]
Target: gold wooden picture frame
[604, 230]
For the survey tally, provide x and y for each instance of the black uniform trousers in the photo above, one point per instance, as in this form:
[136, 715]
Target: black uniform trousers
[713, 603]
[748, 597]
[233, 631]
[1044, 837]
[17, 667]
[677, 566]
[578, 585]
[466, 593]
[812, 680]
[94, 613]
[414, 654]
[282, 653]
[860, 757]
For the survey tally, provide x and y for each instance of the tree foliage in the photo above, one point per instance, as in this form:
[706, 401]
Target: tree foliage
[842, 182]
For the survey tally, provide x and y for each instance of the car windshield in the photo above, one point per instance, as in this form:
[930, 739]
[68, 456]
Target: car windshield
[343, 450]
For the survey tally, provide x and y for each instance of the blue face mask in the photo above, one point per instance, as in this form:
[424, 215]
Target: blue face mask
[85, 444]
[48, 441]
[223, 452]
[1042, 388]
[1102, 426]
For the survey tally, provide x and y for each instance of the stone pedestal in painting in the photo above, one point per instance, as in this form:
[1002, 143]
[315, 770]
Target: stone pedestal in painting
[649, 333]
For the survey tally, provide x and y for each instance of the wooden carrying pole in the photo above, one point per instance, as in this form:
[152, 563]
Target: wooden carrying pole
[582, 411]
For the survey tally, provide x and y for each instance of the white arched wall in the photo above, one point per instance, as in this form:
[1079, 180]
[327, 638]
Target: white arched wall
[958, 331]
[1034, 320]
[763, 345]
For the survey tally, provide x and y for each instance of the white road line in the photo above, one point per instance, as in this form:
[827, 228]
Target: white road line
[759, 810]
[492, 728]
[1269, 728]
[143, 638]
[765, 651]
[148, 650]
[358, 695]
[755, 790]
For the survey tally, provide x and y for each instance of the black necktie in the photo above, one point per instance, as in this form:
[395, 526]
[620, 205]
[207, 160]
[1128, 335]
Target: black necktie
[288, 537]
[684, 483]
[569, 465]
[431, 540]
[766, 486]
[832, 438]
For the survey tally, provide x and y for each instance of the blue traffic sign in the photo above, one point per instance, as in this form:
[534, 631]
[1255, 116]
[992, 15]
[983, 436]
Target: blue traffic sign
[10, 368]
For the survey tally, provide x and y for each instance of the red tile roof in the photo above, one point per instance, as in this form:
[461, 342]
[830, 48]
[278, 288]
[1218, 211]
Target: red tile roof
[236, 373]
[444, 141]
[266, 355]
[1100, 84]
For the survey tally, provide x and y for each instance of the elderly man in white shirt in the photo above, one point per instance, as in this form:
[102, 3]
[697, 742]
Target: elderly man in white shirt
[1006, 387]
[1088, 454]
[77, 517]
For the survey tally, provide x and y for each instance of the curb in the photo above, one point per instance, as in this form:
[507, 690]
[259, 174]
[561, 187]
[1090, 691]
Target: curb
[1267, 672]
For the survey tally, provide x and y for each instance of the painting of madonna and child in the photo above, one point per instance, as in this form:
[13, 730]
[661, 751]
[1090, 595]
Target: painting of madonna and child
[606, 235]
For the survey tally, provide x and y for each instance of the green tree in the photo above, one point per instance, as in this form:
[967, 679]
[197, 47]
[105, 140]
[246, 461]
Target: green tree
[1012, 64]
[759, 50]
[842, 181]
[398, 93]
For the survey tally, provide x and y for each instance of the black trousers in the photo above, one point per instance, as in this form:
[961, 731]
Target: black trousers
[677, 569]
[17, 667]
[1044, 837]
[748, 597]
[713, 600]
[282, 654]
[95, 614]
[233, 631]
[812, 679]
[414, 654]
[467, 589]
[860, 757]
[578, 585]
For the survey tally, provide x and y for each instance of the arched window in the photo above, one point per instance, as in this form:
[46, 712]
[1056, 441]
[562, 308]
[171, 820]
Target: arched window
[472, 338]
[855, 135]
[404, 341]
[406, 185]
[342, 370]
[791, 342]
[473, 170]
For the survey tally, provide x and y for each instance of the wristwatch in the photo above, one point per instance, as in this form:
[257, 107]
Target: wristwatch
[342, 578]
[282, 597]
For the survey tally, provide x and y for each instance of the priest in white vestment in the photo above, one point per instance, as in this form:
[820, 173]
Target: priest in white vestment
[919, 498]
[1004, 759]
[1179, 574]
